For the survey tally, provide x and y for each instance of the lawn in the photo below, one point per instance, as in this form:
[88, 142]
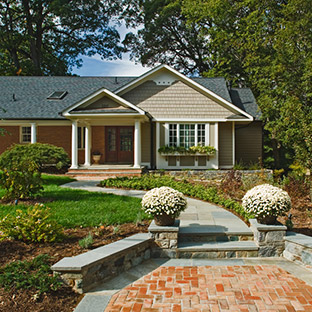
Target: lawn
[78, 208]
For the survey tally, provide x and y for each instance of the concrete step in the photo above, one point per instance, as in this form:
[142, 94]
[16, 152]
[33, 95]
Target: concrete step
[213, 250]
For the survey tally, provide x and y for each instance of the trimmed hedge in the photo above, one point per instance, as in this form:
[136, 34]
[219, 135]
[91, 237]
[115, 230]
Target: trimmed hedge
[44, 155]
[147, 182]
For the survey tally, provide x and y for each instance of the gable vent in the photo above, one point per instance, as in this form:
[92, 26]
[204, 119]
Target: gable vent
[57, 95]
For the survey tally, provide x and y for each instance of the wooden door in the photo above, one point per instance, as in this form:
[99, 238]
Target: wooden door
[119, 144]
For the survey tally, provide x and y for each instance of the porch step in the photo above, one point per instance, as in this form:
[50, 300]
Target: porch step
[86, 173]
[214, 250]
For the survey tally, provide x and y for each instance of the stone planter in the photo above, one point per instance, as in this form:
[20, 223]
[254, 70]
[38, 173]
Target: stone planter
[164, 220]
[269, 220]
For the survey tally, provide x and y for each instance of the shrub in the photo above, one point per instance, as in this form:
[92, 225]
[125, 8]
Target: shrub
[31, 225]
[44, 155]
[34, 274]
[163, 200]
[266, 200]
[21, 180]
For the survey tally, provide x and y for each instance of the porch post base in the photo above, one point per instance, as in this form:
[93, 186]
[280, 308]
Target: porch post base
[87, 164]
[74, 167]
[136, 166]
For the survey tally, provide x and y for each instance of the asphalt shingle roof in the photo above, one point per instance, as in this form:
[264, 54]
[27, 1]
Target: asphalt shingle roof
[26, 97]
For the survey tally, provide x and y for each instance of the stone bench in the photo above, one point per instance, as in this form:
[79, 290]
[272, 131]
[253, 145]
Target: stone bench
[298, 248]
[87, 270]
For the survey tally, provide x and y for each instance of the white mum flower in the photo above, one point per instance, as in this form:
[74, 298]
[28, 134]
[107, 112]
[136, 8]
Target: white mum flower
[163, 200]
[265, 200]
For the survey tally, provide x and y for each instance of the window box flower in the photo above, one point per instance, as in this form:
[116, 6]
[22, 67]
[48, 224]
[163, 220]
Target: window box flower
[198, 150]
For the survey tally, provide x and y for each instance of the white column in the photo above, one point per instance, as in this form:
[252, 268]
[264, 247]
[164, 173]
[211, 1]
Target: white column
[87, 146]
[137, 144]
[33, 138]
[157, 137]
[74, 155]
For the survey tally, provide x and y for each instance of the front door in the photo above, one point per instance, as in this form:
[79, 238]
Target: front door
[119, 144]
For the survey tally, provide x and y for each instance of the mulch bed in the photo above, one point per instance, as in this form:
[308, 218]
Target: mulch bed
[63, 300]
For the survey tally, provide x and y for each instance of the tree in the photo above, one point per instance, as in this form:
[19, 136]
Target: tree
[46, 37]
[165, 37]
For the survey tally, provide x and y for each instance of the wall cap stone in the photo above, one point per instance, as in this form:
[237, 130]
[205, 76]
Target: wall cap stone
[84, 260]
[265, 227]
[299, 239]
[171, 228]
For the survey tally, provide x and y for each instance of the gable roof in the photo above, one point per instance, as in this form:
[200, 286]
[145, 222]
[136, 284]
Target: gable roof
[27, 97]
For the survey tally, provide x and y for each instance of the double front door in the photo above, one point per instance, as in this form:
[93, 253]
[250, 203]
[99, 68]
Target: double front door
[119, 144]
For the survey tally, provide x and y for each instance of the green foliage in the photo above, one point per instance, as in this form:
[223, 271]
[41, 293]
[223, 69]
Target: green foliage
[147, 182]
[86, 242]
[44, 155]
[32, 225]
[48, 37]
[166, 149]
[34, 274]
[20, 179]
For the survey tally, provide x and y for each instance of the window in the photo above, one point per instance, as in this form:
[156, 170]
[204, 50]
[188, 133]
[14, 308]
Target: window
[57, 95]
[187, 135]
[26, 135]
[81, 137]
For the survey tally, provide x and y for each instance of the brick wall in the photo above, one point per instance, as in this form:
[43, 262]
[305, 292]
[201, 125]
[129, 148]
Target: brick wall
[13, 137]
[98, 141]
[56, 135]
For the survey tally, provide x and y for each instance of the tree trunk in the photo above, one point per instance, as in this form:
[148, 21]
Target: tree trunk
[276, 153]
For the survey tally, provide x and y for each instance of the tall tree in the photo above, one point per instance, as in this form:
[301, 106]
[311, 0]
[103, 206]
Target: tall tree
[165, 38]
[46, 37]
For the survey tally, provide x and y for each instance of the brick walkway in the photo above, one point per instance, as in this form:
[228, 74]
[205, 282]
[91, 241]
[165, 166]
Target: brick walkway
[214, 288]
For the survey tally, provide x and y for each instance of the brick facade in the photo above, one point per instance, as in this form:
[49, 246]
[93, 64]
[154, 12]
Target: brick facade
[98, 141]
[10, 138]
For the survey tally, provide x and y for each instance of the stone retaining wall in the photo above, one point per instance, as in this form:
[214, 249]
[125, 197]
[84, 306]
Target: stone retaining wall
[220, 174]
[87, 270]
[298, 248]
[270, 238]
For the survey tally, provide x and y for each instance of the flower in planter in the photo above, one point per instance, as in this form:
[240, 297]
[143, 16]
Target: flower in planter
[163, 201]
[266, 200]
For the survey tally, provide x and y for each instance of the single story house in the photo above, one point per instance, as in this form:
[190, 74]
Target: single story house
[127, 119]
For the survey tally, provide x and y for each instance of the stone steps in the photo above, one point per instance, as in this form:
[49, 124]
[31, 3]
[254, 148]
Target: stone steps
[214, 250]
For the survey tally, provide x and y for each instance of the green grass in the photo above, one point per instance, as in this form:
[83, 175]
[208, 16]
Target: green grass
[74, 208]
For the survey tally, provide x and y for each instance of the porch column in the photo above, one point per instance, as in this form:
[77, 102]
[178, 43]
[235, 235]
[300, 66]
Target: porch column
[137, 144]
[33, 137]
[87, 145]
[74, 154]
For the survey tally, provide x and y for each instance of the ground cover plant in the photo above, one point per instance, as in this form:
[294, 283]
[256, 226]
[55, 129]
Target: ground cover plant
[81, 214]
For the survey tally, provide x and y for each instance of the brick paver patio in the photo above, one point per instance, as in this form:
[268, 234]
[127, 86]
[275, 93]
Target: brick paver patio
[214, 288]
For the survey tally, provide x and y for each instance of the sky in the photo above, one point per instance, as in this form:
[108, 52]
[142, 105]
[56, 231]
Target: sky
[95, 66]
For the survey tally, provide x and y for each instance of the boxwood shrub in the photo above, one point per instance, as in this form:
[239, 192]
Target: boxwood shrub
[147, 182]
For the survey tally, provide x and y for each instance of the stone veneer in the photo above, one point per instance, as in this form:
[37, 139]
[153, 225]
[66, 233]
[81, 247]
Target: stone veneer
[298, 248]
[270, 238]
[220, 174]
[87, 270]
[165, 239]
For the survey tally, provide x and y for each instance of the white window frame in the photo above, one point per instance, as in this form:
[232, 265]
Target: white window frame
[22, 134]
[167, 132]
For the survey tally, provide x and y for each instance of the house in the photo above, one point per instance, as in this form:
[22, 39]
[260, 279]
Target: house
[127, 119]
